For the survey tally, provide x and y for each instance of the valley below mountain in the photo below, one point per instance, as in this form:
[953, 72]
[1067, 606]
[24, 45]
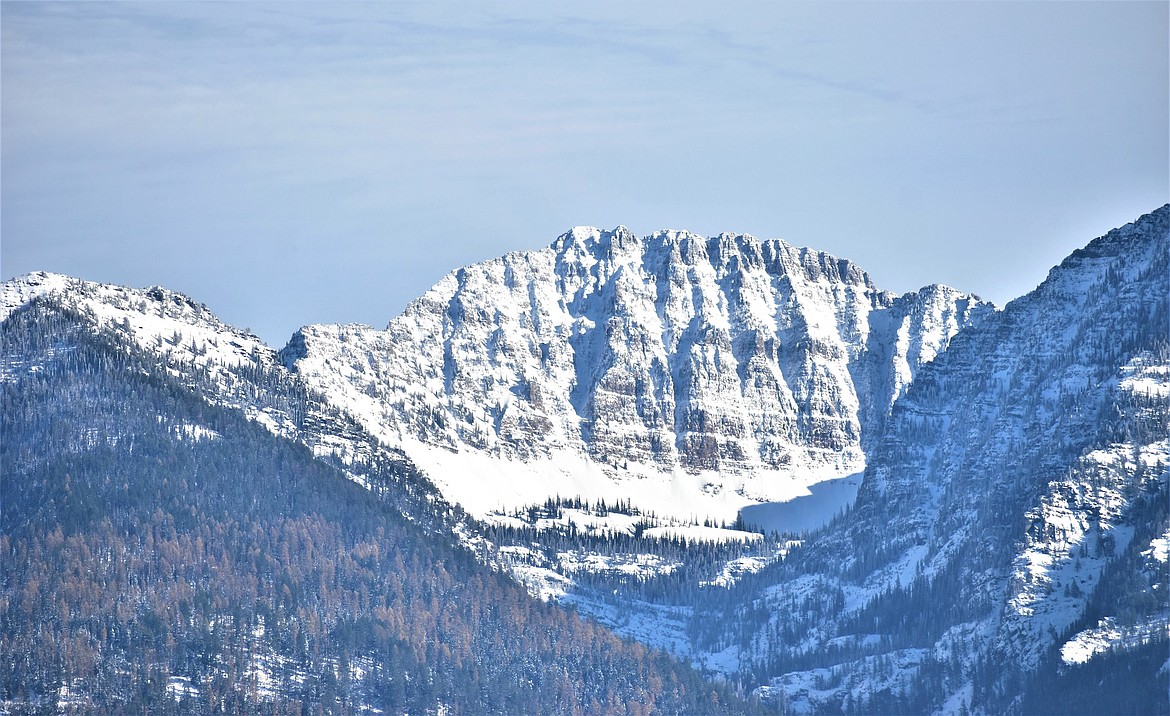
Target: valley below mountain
[662, 474]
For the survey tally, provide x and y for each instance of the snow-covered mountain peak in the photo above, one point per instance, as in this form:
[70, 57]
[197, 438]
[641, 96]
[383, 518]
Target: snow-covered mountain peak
[184, 334]
[156, 310]
[674, 236]
[753, 367]
[595, 241]
[940, 292]
[1089, 266]
[22, 289]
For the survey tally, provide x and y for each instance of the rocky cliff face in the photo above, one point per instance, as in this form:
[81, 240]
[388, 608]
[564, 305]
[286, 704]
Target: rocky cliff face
[672, 353]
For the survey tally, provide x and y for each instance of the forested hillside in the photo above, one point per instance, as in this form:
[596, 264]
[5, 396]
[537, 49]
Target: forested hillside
[164, 555]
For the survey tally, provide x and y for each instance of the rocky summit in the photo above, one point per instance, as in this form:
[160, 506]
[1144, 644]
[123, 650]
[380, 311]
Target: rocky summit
[747, 368]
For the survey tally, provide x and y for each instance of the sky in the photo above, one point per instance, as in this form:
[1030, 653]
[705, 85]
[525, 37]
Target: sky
[303, 163]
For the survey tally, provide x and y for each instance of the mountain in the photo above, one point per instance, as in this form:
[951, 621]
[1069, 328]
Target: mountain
[227, 367]
[722, 371]
[163, 553]
[1012, 522]
[590, 419]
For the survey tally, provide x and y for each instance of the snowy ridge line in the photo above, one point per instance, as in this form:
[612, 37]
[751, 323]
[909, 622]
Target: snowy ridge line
[225, 366]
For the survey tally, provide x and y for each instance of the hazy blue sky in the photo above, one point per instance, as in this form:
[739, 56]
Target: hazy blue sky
[300, 163]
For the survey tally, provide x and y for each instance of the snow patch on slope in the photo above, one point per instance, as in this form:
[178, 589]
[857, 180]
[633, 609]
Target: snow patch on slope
[1109, 635]
[492, 487]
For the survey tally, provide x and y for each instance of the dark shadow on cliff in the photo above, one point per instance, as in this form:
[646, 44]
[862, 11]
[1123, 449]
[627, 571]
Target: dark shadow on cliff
[808, 512]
